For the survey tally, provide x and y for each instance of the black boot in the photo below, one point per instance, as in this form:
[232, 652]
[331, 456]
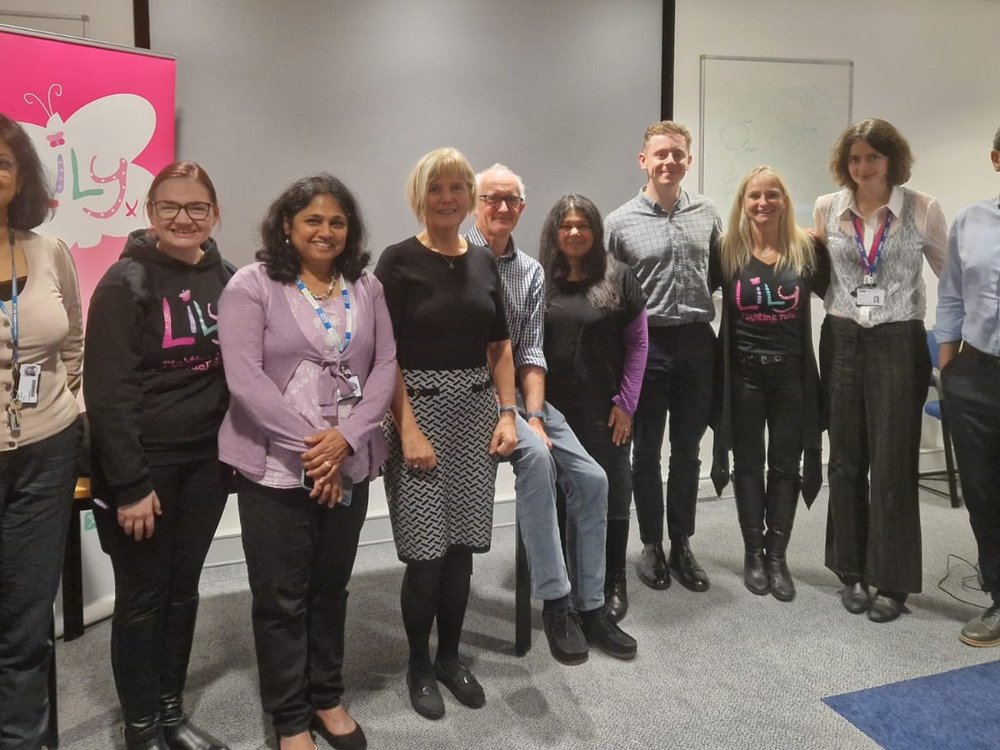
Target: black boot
[749, 492]
[782, 499]
[178, 635]
[615, 586]
[135, 660]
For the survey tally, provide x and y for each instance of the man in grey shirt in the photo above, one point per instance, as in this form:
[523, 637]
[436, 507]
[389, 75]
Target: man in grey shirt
[664, 234]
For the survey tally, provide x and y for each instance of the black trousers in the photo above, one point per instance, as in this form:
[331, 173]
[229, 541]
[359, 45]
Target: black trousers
[36, 502]
[300, 556]
[972, 397]
[592, 430]
[767, 396]
[679, 381]
[875, 381]
[157, 576]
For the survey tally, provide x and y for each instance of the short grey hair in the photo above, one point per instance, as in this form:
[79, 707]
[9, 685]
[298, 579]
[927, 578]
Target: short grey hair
[498, 167]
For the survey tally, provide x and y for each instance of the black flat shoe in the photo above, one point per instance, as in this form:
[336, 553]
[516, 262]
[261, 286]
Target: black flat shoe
[685, 568]
[354, 740]
[566, 641]
[462, 684]
[855, 598]
[886, 606]
[424, 695]
[652, 568]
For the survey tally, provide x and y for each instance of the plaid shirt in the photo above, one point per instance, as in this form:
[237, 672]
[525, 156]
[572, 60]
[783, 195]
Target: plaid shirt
[669, 253]
[524, 299]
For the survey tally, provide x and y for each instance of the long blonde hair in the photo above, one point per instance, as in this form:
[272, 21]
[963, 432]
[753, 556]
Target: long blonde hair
[796, 246]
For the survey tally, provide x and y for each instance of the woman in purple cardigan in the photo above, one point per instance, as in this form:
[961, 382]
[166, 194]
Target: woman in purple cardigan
[310, 359]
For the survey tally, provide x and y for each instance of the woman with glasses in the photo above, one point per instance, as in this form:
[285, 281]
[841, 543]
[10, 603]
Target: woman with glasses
[41, 355]
[310, 361]
[446, 302]
[596, 341]
[156, 395]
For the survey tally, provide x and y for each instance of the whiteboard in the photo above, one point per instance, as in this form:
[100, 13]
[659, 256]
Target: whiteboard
[785, 113]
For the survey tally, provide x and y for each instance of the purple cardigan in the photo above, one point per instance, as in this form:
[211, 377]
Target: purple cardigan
[262, 345]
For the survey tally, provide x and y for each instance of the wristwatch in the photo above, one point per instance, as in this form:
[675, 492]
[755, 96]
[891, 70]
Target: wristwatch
[536, 415]
[511, 409]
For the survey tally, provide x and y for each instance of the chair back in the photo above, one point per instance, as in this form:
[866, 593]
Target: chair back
[932, 347]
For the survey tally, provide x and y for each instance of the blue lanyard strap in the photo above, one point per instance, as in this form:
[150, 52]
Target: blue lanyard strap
[870, 262]
[12, 313]
[321, 313]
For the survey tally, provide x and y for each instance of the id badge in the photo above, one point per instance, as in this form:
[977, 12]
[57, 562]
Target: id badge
[27, 384]
[347, 401]
[870, 296]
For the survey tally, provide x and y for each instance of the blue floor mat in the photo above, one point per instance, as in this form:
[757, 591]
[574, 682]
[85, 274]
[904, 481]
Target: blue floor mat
[956, 710]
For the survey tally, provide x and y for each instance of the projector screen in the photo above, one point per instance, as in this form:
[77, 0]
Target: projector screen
[561, 91]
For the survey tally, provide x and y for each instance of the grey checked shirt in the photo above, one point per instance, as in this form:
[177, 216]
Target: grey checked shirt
[669, 253]
[524, 299]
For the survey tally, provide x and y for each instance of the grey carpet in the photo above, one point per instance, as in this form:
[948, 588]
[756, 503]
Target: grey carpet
[722, 669]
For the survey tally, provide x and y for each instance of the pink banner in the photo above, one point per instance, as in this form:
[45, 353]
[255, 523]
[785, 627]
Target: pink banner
[102, 121]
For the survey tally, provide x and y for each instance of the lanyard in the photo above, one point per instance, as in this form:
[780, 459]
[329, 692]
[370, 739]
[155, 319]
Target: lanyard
[321, 314]
[870, 261]
[12, 314]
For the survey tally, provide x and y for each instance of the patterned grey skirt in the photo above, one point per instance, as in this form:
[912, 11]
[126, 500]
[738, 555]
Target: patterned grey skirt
[452, 504]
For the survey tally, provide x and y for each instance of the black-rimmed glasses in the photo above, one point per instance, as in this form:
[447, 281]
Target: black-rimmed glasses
[198, 211]
[512, 201]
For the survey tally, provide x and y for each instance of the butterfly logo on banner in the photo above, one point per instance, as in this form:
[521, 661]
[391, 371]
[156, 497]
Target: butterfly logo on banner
[89, 157]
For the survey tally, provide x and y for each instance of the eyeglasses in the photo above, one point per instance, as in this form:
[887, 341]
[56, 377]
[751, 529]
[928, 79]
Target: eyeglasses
[512, 201]
[198, 211]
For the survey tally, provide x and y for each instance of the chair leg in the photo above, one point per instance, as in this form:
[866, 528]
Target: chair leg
[949, 460]
[522, 597]
[52, 735]
[72, 579]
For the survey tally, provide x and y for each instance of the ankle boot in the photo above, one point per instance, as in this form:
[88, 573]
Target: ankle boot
[178, 636]
[782, 499]
[144, 734]
[749, 491]
[615, 586]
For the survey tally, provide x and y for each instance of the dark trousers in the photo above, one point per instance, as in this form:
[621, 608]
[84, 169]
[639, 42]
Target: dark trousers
[300, 556]
[972, 397]
[767, 396]
[156, 583]
[678, 381]
[875, 382]
[595, 436]
[36, 501]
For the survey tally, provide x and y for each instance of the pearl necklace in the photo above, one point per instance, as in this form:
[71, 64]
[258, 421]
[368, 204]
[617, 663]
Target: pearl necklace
[324, 296]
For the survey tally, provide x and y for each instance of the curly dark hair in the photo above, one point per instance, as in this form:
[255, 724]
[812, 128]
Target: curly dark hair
[32, 204]
[596, 266]
[881, 136]
[281, 259]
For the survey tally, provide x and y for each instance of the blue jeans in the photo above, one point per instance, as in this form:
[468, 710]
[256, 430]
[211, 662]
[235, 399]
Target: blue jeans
[36, 502]
[585, 486]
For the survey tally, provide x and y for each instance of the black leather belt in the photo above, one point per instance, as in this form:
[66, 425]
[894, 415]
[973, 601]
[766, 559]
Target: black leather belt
[972, 351]
[762, 359]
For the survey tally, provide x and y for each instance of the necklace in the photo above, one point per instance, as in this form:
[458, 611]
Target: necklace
[324, 296]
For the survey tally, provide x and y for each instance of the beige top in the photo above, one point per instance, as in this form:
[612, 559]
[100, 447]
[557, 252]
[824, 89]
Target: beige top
[50, 320]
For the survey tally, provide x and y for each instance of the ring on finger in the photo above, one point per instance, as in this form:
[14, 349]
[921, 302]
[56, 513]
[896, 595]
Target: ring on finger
[327, 464]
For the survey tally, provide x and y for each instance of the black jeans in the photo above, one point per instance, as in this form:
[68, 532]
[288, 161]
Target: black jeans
[36, 502]
[875, 382]
[767, 395]
[300, 556]
[972, 397]
[156, 577]
[679, 380]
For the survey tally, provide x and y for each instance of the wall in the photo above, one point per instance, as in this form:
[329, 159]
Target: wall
[110, 20]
